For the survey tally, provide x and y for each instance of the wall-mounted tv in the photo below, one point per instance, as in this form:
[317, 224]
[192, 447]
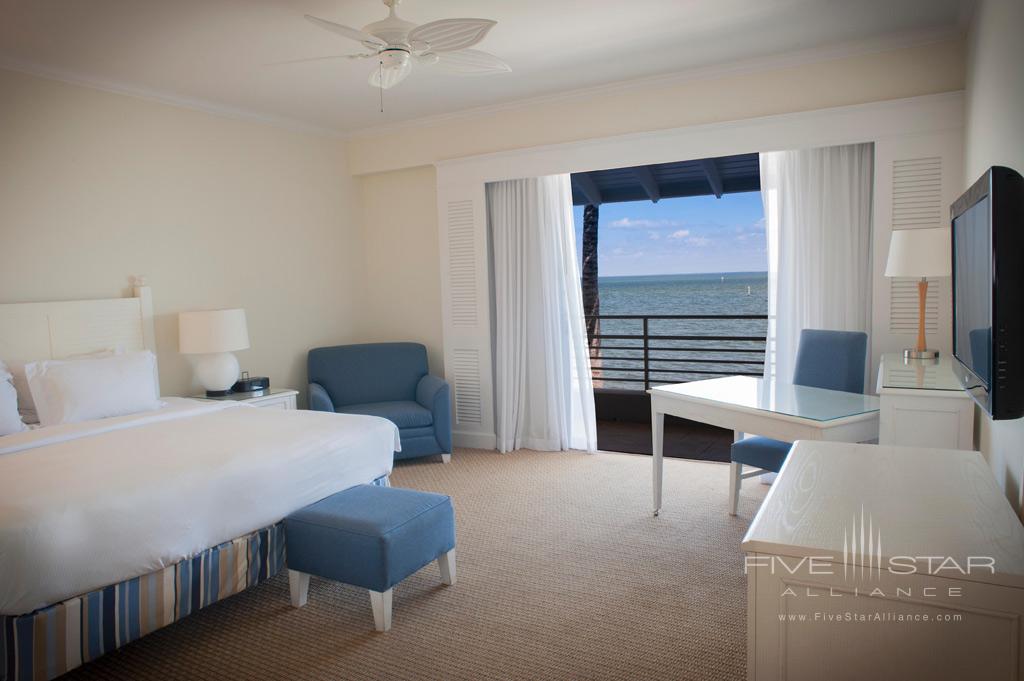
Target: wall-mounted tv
[988, 291]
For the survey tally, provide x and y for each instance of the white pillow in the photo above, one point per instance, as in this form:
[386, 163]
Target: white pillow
[26, 406]
[10, 419]
[69, 391]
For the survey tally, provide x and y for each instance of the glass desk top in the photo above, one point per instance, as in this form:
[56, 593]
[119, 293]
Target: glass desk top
[773, 396]
[918, 374]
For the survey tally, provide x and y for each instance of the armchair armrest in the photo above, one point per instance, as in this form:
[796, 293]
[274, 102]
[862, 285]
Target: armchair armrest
[435, 394]
[319, 400]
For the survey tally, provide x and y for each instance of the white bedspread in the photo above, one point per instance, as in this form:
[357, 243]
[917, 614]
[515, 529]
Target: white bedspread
[90, 504]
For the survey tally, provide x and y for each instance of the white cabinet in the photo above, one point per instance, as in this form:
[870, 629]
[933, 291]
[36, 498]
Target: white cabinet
[923, 405]
[265, 399]
[275, 399]
[874, 562]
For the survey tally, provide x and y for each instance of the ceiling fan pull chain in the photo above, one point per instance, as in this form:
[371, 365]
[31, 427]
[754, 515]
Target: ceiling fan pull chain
[381, 88]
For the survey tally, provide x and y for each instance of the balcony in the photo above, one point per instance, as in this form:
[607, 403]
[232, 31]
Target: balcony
[631, 353]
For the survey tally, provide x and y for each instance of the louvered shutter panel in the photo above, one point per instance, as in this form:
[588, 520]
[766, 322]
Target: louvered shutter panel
[917, 177]
[466, 378]
[466, 303]
[462, 290]
[917, 203]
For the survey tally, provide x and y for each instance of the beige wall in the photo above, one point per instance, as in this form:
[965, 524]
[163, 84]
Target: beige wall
[215, 212]
[399, 215]
[401, 294]
[920, 70]
[995, 136]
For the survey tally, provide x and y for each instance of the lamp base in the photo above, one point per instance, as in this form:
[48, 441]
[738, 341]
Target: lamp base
[920, 354]
[219, 393]
[217, 372]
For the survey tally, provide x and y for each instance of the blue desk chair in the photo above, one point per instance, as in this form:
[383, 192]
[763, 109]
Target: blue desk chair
[834, 360]
[388, 380]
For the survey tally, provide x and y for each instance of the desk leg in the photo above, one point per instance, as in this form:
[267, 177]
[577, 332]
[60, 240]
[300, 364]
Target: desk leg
[735, 478]
[658, 442]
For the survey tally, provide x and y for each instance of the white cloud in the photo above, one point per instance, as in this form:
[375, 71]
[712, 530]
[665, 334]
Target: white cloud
[653, 236]
[681, 234]
[644, 223]
[626, 253]
[699, 241]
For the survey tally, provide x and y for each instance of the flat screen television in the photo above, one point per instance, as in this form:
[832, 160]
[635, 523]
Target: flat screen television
[988, 291]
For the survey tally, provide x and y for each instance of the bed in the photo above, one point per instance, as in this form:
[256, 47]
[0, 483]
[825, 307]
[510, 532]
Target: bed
[113, 528]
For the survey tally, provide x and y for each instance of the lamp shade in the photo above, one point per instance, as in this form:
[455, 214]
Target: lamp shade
[209, 331]
[919, 253]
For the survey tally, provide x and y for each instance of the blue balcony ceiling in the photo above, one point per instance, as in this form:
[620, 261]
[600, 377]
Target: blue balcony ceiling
[702, 177]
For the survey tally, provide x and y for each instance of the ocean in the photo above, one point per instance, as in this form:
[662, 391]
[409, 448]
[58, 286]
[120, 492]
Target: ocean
[678, 360]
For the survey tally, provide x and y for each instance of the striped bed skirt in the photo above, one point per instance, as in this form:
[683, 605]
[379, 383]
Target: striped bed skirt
[53, 640]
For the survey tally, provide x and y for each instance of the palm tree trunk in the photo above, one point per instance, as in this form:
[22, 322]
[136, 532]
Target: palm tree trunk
[591, 298]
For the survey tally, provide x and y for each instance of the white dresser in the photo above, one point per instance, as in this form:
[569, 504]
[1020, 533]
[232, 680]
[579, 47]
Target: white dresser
[923, 405]
[875, 562]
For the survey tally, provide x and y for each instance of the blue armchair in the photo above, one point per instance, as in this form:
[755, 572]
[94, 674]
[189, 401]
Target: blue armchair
[388, 380]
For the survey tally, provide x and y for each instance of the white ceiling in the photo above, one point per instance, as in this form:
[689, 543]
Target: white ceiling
[215, 52]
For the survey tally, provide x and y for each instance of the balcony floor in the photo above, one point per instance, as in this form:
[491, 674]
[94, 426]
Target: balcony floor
[683, 439]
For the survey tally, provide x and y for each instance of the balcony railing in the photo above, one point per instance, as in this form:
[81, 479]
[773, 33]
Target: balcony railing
[634, 352]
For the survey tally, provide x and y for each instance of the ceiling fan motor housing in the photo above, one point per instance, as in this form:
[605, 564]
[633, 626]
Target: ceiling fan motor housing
[393, 57]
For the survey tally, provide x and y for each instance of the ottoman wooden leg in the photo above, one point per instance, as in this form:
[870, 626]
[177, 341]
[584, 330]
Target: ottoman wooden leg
[446, 561]
[381, 602]
[298, 582]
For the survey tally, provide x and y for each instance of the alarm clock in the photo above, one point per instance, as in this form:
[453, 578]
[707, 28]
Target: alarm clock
[251, 384]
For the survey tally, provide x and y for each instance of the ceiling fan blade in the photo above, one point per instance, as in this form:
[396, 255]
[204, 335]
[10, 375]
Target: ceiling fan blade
[388, 78]
[347, 31]
[448, 35]
[332, 56]
[468, 63]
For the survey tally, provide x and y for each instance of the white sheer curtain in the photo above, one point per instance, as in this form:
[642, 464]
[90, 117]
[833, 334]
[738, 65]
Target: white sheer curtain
[817, 205]
[544, 395]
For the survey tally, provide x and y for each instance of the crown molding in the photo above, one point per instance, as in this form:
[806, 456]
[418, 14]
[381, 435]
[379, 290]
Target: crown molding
[833, 52]
[911, 107]
[201, 105]
[849, 124]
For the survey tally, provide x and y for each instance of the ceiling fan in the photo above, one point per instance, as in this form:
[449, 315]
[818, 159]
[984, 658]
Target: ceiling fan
[395, 44]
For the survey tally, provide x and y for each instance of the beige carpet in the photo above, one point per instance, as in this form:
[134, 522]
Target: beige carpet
[562, 573]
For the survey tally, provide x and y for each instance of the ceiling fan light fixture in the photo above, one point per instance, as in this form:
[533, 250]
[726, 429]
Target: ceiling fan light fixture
[387, 77]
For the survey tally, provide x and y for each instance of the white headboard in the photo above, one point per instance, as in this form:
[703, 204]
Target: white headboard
[55, 330]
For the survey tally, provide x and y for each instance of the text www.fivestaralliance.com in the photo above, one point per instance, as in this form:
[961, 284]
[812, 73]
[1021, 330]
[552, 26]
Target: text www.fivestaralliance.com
[870, 618]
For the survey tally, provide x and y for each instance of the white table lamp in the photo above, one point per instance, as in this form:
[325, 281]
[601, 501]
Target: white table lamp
[920, 253]
[213, 335]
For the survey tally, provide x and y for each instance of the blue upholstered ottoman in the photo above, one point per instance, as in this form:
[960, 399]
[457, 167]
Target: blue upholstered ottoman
[372, 537]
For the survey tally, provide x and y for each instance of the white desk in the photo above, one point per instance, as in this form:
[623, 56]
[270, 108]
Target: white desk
[923, 404]
[774, 409]
[900, 506]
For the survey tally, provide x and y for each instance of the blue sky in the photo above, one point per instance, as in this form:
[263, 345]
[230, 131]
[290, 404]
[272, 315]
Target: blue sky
[680, 236]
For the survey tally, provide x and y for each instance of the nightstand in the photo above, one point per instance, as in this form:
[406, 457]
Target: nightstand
[923, 404]
[269, 399]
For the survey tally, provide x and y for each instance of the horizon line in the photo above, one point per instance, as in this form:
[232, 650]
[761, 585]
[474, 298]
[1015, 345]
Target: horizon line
[677, 274]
